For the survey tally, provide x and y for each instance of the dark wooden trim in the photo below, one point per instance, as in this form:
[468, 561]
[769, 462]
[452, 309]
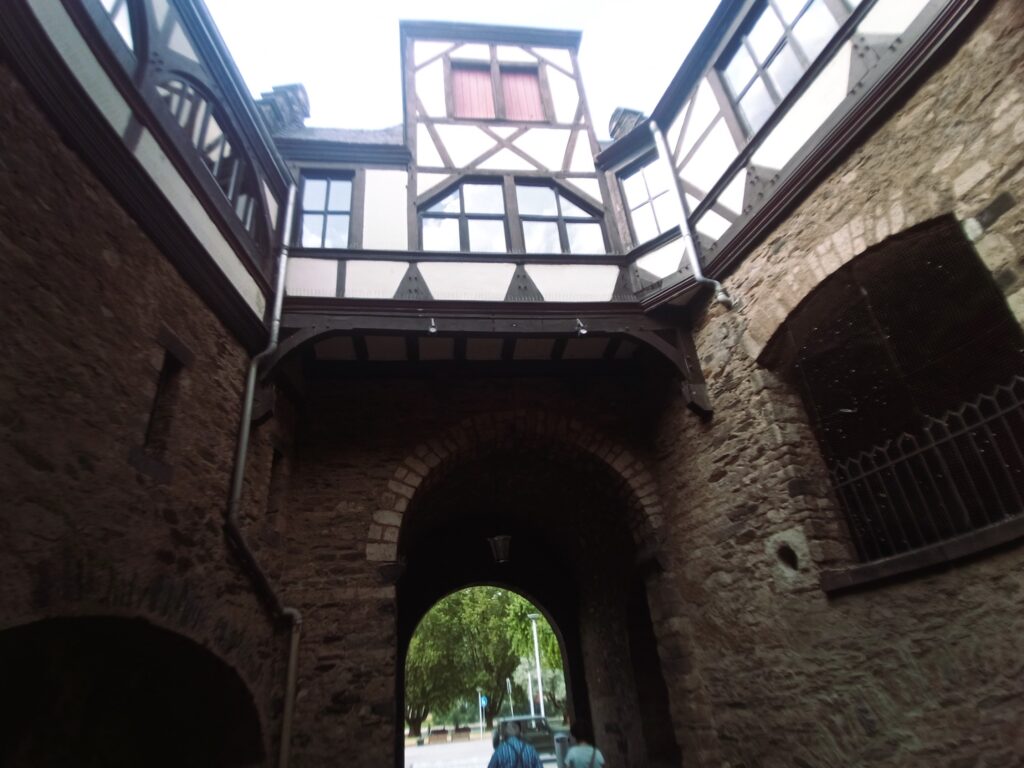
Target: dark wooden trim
[357, 209]
[486, 33]
[28, 50]
[180, 351]
[882, 571]
[365, 254]
[325, 151]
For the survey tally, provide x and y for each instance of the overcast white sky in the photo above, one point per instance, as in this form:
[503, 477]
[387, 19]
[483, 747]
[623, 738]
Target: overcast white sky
[346, 54]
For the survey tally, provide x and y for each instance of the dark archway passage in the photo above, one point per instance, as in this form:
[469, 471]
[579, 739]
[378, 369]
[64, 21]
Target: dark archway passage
[572, 552]
[120, 693]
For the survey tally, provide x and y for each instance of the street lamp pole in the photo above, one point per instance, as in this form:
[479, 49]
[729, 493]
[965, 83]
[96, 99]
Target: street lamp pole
[480, 709]
[511, 709]
[529, 686]
[536, 656]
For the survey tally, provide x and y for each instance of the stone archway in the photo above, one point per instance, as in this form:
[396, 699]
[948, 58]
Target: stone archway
[120, 692]
[429, 460]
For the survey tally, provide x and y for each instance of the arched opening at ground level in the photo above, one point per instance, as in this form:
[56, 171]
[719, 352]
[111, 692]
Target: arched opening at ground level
[577, 545]
[475, 659]
[120, 693]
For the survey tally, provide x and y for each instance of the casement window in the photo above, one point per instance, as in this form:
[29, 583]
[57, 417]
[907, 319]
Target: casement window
[552, 223]
[652, 201]
[539, 217]
[776, 45]
[470, 217]
[325, 213]
[473, 92]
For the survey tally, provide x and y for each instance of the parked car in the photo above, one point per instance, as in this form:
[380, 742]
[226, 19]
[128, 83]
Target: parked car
[533, 729]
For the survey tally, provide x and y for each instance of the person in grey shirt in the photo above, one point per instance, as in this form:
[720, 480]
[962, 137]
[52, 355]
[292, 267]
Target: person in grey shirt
[584, 754]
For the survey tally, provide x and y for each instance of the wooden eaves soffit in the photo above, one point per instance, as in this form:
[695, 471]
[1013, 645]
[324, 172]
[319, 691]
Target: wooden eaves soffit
[149, 96]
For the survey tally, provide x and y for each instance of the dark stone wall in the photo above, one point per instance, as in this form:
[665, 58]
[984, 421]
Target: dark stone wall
[92, 524]
[764, 668]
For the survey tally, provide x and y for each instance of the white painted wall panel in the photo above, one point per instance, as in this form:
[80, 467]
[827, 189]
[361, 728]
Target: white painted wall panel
[384, 210]
[663, 261]
[574, 282]
[311, 277]
[430, 89]
[373, 279]
[459, 280]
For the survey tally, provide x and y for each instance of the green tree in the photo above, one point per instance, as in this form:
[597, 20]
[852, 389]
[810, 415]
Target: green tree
[433, 677]
[472, 639]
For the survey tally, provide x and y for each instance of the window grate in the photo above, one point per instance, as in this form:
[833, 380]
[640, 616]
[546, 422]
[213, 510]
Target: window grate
[960, 472]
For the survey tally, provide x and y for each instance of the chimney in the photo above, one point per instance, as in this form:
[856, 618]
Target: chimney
[284, 107]
[623, 121]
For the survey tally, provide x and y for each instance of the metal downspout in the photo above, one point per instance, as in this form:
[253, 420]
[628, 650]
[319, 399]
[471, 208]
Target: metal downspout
[234, 534]
[690, 243]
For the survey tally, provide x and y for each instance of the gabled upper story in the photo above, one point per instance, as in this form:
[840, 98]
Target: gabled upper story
[494, 188]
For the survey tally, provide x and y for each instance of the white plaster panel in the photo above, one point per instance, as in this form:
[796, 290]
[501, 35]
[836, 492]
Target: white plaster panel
[272, 206]
[545, 145]
[180, 195]
[663, 261]
[558, 56]
[710, 160]
[464, 143]
[478, 281]
[80, 60]
[373, 279]
[590, 187]
[425, 181]
[503, 130]
[805, 117]
[515, 55]
[565, 96]
[732, 195]
[430, 89]
[574, 282]
[384, 210]
[178, 42]
[472, 52]
[891, 17]
[426, 150]
[311, 277]
[712, 225]
[424, 50]
[507, 160]
[582, 158]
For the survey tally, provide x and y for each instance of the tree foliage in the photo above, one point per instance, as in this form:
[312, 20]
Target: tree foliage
[472, 639]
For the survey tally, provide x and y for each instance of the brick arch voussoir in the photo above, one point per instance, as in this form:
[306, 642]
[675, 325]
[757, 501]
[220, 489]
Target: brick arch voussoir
[428, 461]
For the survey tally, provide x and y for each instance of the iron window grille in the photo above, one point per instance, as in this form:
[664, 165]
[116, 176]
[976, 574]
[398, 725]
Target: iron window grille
[326, 212]
[652, 202]
[774, 48]
[469, 218]
[552, 223]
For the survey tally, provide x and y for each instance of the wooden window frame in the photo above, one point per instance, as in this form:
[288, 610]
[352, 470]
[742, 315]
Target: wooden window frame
[635, 167]
[497, 93]
[328, 176]
[560, 219]
[731, 98]
[464, 218]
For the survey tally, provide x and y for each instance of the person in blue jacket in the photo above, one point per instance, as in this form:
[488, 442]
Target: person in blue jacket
[513, 752]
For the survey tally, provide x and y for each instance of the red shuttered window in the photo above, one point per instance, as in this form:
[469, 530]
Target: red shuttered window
[521, 89]
[471, 91]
